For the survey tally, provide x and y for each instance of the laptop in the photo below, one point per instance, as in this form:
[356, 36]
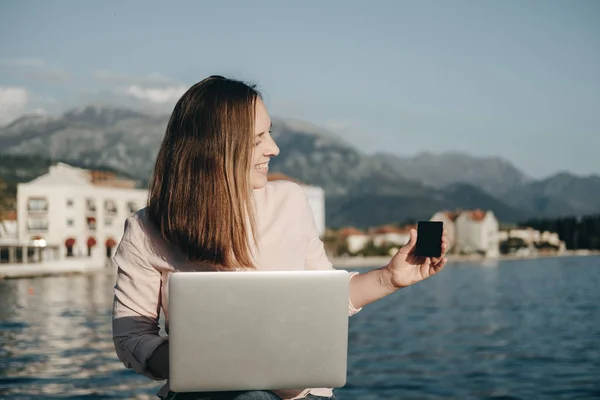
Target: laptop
[258, 330]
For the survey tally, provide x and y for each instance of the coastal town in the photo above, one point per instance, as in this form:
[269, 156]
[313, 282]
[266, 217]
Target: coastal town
[71, 219]
[470, 233]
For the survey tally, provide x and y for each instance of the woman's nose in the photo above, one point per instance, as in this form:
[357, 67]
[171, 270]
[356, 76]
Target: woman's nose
[272, 148]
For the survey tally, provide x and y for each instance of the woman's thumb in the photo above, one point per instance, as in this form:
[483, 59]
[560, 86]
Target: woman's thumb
[411, 242]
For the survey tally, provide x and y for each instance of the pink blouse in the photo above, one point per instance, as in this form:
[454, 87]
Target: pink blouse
[288, 238]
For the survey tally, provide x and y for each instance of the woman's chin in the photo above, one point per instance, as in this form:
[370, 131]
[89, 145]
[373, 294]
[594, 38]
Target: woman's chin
[258, 180]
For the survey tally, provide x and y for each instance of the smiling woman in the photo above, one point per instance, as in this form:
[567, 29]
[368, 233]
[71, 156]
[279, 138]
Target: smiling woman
[214, 114]
[212, 207]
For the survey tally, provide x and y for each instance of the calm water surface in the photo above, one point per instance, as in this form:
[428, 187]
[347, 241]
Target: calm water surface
[514, 330]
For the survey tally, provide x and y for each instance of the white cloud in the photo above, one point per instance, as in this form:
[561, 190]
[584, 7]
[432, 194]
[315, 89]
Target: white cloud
[156, 95]
[34, 68]
[153, 91]
[13, 101]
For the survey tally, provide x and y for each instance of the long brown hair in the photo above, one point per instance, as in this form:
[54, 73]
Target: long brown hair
[200, 193]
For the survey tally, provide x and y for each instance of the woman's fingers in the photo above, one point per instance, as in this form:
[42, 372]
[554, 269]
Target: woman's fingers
[443, 253]
[435, 267]
[444, 249]
[425, 267]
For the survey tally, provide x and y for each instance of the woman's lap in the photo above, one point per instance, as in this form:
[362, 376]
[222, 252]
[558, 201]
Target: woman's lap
[249, 395]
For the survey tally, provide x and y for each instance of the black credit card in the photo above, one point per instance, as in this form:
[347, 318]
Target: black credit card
[429, 238]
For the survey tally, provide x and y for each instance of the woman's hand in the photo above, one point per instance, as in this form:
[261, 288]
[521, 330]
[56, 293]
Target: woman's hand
[406, 269]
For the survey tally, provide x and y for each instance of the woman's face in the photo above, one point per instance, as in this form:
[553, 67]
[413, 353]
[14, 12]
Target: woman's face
[264, 146]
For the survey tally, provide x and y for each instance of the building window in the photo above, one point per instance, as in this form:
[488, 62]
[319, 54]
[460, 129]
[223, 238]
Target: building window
[37, 204]
[110, 207]
[37, 225]
[91, 223]
[69, 202]
[108, 222]
[131, 207]
[90, 205]
[70, 222]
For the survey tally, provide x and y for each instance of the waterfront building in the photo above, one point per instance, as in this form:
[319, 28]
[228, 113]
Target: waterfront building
[390, 235]
[80, 212]
[76, 212]
[477, 233]
[385, 235]
[448, 218]
[471, 231]
[356, 239]
[532, 239]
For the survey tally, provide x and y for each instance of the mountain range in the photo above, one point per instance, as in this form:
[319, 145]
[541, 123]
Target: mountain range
[362, 189]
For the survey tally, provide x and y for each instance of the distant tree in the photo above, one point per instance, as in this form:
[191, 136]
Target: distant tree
[6, 201]
[342, 248]
[503, 226]
[546, 246]
[335, 243]
[577, 233]
[511, 245]
[372, 250]
[410, 221]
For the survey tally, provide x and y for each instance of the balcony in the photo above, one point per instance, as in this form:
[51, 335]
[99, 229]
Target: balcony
[110, 208]
[37, 210]
[90, 205]
[37, 225]
[37, 205]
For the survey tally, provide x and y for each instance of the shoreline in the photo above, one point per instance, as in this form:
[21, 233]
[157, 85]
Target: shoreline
[86, 266]
[380, 261]
[51, 268]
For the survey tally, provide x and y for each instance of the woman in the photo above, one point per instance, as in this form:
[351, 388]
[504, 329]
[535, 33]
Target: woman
[211, 207]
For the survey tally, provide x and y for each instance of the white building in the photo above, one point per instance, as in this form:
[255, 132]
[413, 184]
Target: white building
[551, 238]
[391, 235]
[81, 211]
[532, 237]
[477, 232]
[385, 235]
[448, 218]
[356, 239]
[529, 235]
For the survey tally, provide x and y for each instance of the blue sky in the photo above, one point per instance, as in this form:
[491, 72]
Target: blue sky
[515, 79]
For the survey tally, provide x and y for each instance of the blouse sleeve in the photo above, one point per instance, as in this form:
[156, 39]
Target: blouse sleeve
[136, 305]
[316, 258]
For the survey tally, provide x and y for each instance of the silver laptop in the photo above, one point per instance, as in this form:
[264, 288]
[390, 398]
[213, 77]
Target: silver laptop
[256, 330]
